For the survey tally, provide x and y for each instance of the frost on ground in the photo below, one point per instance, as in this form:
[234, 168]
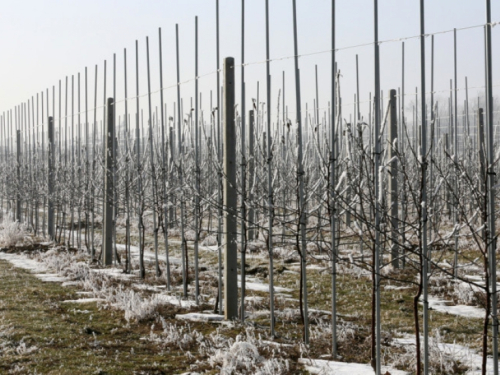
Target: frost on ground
[459, 310]
[248, 352]
[323, 367]
[11, 232]
[444, 358]
[100, 284]
[194, 317]
[456, 297]
[9, 346]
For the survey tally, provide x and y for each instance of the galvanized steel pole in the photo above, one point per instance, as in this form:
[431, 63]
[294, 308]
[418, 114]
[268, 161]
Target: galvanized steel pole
[219, 159]
[491, 192]
[269, 177]
[333, 206]
[164, 163]
[376, 99]
[300, 173]
[197, 170]
[243, 167]
[180, 166]
[455, 153]
[152, 165]
[423, 203]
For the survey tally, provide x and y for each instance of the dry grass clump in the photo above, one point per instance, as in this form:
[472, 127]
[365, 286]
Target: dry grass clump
[11, 232]
[441, 361]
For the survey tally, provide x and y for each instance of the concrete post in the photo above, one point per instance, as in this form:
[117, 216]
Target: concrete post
[447, 193]
[251, 172]
[171, 215]
[108, 187]
[480, 146]
[482, 159]
[393, 178]
[18, 200]
[51, 164]
[230, 196]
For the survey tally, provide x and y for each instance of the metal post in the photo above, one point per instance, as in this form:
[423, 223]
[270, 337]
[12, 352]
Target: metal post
[51, 164]
[128, 266]
[115, 157]
[455, 154]
[433, 126]
[230, 196]
[87, 160]
[376, 99]
[269, 177]
[393, 178]
[480, 145]
[108, 187]
[300, 173]
[243, 166]
[219, 159]
[251, 172]
[18, 167]
[92, 189]
[403, 146]
[152, 165]
[491, 191]
[197, 171]
[180, 171]
[482, 160]
[71, 235]
[423, 203]
[164, 163]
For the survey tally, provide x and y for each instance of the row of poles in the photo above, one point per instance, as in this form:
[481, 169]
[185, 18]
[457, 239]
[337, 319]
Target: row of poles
[166, 186]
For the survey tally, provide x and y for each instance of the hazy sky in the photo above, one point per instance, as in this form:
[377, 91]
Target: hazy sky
[45, 41]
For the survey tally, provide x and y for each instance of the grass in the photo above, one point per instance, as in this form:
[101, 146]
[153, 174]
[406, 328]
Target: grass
[60, 330]
[74, 337]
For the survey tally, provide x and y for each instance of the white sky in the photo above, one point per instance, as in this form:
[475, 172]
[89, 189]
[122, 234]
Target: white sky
[45, 41]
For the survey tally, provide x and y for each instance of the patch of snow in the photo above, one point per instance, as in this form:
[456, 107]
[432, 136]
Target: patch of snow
[261, 287]
[326, 312]
[256, 285]
[324, 367]
[394, 287]
[153, 288]
[460, 310]
[474, 277]
[114, 272]
[83, 300]
[84, 293]
[21, 261]
[50, 277]
[316, 267]
[197, 317]
[173, 300]
[465, 355]
[254, 299]
[70, 283]
[283, 295]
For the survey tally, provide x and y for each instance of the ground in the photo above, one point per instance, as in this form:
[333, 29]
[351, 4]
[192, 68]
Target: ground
[60, 313]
